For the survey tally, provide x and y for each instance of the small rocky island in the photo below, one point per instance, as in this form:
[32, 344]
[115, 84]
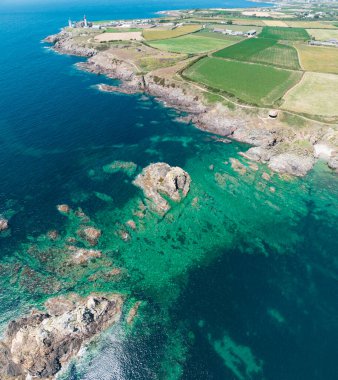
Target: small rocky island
[39, 345]
[161, 180]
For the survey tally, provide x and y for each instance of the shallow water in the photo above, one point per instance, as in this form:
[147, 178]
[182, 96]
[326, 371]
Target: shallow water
[239, 281]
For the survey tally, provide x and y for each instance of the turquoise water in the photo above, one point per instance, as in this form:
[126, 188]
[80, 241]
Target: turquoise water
[237, 282]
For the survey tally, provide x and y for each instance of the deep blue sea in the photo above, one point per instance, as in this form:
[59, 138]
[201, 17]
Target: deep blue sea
[242, 286]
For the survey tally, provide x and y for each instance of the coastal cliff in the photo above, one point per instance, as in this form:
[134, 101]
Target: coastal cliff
[284, 147]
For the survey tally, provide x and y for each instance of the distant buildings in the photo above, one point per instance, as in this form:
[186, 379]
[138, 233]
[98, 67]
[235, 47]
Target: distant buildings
[331, 43]
[249, 33]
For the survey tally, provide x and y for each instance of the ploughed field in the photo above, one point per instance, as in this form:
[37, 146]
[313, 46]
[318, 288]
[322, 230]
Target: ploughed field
[262, 50]
[192, 43]
[253, 83]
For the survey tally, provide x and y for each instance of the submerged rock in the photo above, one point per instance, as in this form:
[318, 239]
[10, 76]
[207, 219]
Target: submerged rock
[127, 167]
[162, 179]
[333, 163]
[82, 255]
[291, 164]
[64, 209]
[3, 224]
[41, 344]
[90, 234]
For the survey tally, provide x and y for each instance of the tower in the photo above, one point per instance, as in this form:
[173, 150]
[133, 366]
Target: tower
[70, 23]
[85, 22]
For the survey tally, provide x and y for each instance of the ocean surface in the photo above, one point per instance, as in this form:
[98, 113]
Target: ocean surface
[239, 281]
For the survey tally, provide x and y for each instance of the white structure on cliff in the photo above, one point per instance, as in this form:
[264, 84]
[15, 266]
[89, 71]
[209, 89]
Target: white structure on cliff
[70, 23]
[85, 22]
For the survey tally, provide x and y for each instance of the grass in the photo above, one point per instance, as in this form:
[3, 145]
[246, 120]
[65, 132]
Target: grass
[156, 34]
[323, 34]
[310, 24]
[251, 83]
[121, 30]
[191, 44]
[318, 59]
[280, 33]
[316, 94]
[218, 36]
[262, 50]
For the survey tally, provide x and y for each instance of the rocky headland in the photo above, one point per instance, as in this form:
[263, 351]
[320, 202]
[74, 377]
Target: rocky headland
[284, 147]
[39, 345]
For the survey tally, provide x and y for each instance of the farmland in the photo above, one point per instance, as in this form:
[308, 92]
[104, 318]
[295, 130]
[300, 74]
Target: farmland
[157, 34]
[252, 83]
[281, 33]
[325, 102]
[318, 59]
[323, 34]
[262, 50]
[192, 44]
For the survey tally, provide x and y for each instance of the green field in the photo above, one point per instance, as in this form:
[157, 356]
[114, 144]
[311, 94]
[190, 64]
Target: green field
[191, 44]
[160, 34]
[252, 83]
[262, 50]
[279, 33]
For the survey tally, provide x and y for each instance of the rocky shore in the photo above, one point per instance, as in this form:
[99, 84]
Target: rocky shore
[39, 345]
[286, 149]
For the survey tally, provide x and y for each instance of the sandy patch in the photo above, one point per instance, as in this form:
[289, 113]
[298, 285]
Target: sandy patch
[275, 23]
[106, 37]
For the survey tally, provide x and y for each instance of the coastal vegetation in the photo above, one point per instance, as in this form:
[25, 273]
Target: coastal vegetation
[252, 83]
[262, 50]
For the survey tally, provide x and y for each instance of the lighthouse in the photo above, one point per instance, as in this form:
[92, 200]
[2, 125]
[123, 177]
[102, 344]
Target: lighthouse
[85, 22]
[70, 23]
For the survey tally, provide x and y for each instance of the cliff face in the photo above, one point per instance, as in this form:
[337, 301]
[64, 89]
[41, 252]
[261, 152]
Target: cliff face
[278, 143]
[40, 344]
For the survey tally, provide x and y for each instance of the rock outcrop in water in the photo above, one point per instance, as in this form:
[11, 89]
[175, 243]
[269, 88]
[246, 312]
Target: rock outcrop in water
[160, 179]
[39, 345]
[3, 224]
[291, 164]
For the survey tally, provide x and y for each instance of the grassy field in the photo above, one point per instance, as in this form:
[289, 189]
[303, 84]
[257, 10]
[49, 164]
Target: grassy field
[316, 94]
[155, 34]
[252, 83]
[280, 33]
[121, 30]
[191, 44]
[309, 24]
[262, 50]
[219, 36]
[319, 59]
[275, 23]
[323, 34]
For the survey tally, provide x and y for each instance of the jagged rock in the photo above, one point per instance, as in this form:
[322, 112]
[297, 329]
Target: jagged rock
[162, 179]
[266, 176]
[131, 224]
[333, 162]
[257, 153]
[52, 235]
[42, 343]
[3, 224]
[82, 255]
[255, 136]
[90, 234]
[291, 164]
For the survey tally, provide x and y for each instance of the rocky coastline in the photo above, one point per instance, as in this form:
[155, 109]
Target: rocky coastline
[39, 345]
[283, 148]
